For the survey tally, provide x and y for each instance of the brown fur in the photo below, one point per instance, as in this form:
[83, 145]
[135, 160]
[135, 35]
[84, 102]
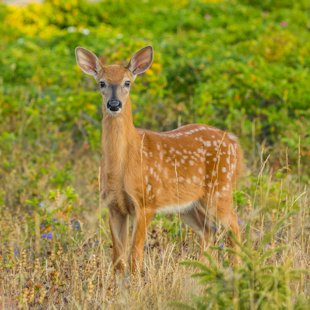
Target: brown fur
[191, 170]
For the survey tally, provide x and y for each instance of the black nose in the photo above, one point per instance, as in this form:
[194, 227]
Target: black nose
[114, 105]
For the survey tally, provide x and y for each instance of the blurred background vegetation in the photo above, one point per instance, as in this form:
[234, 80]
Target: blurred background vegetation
[240, 65]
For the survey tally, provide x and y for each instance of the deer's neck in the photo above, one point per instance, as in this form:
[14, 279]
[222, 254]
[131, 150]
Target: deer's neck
[120, 141]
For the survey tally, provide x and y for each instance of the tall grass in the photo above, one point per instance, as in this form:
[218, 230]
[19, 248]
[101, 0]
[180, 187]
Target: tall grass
[56, 248]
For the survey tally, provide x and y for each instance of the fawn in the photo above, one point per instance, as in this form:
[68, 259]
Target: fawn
[191, 170]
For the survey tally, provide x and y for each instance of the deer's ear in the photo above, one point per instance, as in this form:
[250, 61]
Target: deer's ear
[141, 60]
[87, 61]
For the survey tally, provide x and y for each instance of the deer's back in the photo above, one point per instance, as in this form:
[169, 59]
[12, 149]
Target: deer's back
[188, 163]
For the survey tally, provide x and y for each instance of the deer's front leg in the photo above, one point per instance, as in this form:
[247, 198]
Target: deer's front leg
[142, 221]
[119, 230]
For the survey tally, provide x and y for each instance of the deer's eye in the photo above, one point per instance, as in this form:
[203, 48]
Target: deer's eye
[127, 84]
[102, 84]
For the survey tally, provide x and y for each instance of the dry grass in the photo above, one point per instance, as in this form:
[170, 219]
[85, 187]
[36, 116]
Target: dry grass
[73, 269]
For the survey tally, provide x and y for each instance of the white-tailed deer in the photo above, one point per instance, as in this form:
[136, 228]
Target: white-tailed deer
[191, 170]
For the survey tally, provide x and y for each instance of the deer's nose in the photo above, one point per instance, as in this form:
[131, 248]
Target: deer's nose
[114, 105]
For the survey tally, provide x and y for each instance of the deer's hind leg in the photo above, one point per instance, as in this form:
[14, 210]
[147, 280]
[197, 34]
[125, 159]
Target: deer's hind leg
[197, 219]
[222, 210]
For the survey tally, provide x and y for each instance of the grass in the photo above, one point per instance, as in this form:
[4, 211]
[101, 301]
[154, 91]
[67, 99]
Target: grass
[73, 268]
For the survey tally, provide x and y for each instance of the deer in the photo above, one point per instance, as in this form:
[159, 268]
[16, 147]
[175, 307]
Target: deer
[191, 170]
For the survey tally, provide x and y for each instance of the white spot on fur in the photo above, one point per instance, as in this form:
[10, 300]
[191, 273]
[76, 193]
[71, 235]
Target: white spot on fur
[148, 188]
[225, 188]
[156, 176]
[207, 143]
[177, 163]
[195, 179]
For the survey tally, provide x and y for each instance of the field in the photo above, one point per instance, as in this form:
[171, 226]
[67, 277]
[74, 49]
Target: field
[242, 66]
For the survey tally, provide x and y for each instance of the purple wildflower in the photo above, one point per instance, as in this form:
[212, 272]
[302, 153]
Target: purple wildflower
[16, 252]
[75, 224]
[47, 236]
[214, 228]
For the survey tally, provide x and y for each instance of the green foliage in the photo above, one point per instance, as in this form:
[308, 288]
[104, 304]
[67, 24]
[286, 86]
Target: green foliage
[255, 284]
[239, 66]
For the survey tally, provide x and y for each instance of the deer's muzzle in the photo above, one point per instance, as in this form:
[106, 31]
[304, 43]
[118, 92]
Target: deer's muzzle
[114, 105]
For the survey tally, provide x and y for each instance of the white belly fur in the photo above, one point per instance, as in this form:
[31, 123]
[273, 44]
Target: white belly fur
[177, 208]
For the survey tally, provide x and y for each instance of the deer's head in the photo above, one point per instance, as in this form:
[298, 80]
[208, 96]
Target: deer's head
[114, 81]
